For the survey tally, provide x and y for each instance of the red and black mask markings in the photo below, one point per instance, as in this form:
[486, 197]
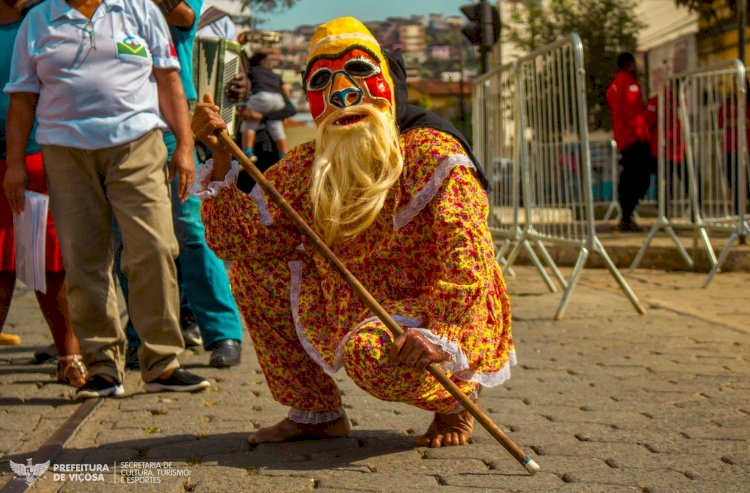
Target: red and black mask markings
[347, 78]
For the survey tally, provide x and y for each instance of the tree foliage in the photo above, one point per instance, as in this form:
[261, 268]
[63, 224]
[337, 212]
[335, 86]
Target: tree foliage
[265, 6]
[706, 8]
[260, 7]
[606, 28]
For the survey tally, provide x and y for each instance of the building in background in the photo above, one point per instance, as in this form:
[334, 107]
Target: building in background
[717, 38]
[669, 43]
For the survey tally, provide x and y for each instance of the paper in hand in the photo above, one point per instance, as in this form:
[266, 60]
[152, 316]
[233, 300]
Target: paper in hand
[30, 229]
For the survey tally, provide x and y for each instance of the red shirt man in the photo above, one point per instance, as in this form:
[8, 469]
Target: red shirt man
[628, 111]
[632, 136]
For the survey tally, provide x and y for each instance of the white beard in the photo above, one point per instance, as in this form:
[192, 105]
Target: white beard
[354, 169]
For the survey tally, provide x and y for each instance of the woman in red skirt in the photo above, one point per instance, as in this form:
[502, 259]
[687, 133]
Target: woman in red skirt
[54, 304]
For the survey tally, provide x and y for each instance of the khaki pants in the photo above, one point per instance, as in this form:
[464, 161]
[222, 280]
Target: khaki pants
[86, 188]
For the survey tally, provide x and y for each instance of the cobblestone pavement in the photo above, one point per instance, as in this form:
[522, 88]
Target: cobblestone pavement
[605, 400]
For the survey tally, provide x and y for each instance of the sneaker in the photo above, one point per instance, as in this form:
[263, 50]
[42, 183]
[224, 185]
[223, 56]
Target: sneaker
[250, 155]
[98, 386]
[131, 358]
[191, 331]
[180, 380]
[192, 335]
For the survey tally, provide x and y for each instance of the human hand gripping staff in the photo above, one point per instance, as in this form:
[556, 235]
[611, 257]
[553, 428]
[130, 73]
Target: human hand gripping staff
[211, 129]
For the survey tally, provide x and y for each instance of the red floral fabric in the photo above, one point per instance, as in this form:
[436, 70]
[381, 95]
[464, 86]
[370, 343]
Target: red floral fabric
[429, 260]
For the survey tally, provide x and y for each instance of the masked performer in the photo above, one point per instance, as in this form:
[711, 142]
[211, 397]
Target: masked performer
[406, 213]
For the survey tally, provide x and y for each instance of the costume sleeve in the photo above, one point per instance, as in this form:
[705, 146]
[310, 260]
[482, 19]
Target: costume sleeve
[463, 249]
[241, 225]
[466, 303]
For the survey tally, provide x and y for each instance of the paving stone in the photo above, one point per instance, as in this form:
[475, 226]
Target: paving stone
[505, 482]
[605, 400]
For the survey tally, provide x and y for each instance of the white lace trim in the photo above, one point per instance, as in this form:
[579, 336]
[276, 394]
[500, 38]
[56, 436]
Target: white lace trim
[257, 197]
[489, 379]
[205, 189]
[458, 361]
[420, 200]
[459, 364]
[295, 268]
[402, 320]
[314, 418]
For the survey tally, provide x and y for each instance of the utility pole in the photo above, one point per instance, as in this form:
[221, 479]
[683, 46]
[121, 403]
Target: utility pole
[484, 50]
[461, 106]
[741, 25]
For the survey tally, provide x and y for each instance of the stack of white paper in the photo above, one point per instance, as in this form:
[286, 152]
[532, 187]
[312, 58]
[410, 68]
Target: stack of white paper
[31, 235]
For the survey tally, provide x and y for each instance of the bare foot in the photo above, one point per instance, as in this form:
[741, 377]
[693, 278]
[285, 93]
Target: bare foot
[287, 430]
[447, 430]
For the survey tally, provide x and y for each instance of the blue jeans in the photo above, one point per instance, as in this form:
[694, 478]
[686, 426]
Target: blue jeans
[204, 285]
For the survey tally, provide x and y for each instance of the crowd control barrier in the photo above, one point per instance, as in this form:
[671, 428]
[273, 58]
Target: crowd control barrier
[554, 160]
[702, 169]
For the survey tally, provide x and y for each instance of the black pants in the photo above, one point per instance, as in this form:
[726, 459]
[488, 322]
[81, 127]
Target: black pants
[636, 168]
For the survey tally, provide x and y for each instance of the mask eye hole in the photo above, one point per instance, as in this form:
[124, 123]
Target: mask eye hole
[360, 68]
[319, 79]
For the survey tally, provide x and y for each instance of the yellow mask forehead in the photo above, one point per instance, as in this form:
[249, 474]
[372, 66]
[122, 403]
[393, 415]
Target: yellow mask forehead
[338, 35]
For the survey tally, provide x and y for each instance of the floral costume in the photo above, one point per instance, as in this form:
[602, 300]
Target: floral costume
[428, 259]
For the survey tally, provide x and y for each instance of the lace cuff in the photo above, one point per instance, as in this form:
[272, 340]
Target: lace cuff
[489, 379]
[204, 189]
[314, 418]
[459, 363]
[458, 360]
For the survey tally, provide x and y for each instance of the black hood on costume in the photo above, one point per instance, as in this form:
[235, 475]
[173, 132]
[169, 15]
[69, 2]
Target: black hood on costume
[410, 116]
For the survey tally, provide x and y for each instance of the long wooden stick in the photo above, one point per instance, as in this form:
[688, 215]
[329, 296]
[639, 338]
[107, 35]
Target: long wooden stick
[374, 306]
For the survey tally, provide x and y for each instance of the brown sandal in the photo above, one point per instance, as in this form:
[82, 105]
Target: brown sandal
[71, 370]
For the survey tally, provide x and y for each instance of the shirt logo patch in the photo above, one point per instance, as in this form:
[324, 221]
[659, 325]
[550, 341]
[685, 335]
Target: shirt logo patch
[131, 47]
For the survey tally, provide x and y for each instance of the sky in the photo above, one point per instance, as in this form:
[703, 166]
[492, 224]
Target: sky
[318, 11]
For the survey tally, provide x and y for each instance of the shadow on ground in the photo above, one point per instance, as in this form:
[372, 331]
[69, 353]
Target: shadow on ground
[232, 450]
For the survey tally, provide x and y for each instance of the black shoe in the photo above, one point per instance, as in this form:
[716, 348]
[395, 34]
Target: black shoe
[225, 353]
[180, 380]
[98, 386]
[629, 227]
[192, 336]
[191, 331]
[131, 359]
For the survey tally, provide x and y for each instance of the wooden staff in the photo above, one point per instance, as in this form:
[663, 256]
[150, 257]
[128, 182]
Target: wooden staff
[436, 370]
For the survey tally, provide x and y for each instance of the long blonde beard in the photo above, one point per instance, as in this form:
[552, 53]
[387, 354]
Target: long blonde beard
[354, 169]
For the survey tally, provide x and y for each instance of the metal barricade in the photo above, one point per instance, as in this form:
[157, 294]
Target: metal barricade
[703, 162]
[555, 160]
[494, 120]
[604, 174]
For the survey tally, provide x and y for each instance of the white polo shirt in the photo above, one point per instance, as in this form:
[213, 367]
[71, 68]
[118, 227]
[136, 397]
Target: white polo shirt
[94, 78]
